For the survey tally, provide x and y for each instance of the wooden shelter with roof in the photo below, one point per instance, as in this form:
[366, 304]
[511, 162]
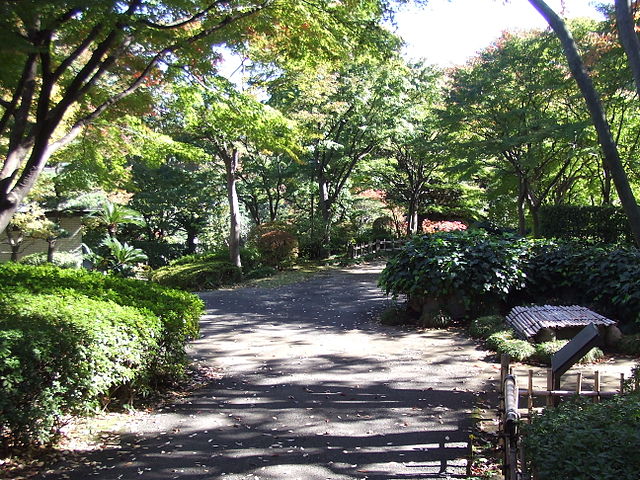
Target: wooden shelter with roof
[545, 322]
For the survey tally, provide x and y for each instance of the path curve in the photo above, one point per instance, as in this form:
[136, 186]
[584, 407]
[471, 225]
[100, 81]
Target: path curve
[312, 389]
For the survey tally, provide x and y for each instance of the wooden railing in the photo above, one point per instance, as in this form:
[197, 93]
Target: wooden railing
[375, 246]
[512, 411]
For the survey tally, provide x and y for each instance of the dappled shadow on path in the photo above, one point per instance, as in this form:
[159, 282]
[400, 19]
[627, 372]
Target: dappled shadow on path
[314, 389]
[235, 427]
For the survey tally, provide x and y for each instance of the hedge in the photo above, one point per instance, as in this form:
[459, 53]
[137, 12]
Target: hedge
[69, 338]
[473, 266]
[598, 223]
[60, 355]
[198, 275]
[581, 440]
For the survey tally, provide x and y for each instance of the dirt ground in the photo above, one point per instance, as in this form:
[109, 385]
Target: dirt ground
[311, 387]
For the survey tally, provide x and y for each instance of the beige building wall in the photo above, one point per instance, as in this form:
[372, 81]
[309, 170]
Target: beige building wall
[73, 225]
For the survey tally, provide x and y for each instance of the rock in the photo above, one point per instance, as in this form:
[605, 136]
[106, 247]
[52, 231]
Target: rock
[612, 336]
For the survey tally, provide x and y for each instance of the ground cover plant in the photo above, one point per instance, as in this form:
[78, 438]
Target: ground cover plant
[211, 270]
[583, 440]
[71, 340]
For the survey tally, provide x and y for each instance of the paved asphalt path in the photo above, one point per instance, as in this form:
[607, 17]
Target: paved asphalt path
[312, 389]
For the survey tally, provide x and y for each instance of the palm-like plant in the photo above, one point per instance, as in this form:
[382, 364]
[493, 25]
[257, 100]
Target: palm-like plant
[119, 259]
[112, 215]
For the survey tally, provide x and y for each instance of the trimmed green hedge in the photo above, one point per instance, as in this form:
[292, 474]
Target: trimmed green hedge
[581, 440]
[60, 355]
[68, 337]
[597, 223]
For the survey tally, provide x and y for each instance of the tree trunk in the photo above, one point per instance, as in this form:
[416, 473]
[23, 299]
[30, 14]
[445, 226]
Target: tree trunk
[535, 220]
[15, 250]
[51, 248]
[231, 164]
[522, 219]
[609, 148]
[191, 241]
[629, 38]
[323, 199]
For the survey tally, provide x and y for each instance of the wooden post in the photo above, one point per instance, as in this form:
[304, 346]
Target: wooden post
[505, 359]
[377, 245]
[530, 395]
[596, 384]
[621, 383]
[470, 455]
[549, 387]
[579, 383]
[351, 251]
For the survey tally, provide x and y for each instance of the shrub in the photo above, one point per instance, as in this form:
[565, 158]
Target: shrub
[60, 354]
[580, 440]
[383, 228]
[199, 275]
[472, 265]
[504, 341]
[483, 327]
[599, 223]
[604, 276]
[546, 350]
[60, 259]
[278, 248]
[434, 226]
[179, 312]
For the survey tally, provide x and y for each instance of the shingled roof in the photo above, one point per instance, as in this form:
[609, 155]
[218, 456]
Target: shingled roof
[528, 321]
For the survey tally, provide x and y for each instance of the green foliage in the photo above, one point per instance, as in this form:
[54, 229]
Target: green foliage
[605, 276]
[597, 223]
[581, 440]
[116, 257]
[504, 341]
[477, 268]
[64, 354]
[629, 344]
[179, 312]
[471, 265]
[383, 228]
[198, 275]
[546, 350]
[483, 327]
[60, 259]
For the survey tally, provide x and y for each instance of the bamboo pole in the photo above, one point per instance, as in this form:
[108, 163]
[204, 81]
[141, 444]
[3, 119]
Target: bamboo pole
[549, 387]
[597, 386]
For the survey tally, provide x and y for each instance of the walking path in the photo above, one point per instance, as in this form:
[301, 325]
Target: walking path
[312, 389]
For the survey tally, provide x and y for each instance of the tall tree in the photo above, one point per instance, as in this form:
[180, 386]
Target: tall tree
[230, 125]
[345, 115]
[594, 105]
[67, 62]
[511, 99]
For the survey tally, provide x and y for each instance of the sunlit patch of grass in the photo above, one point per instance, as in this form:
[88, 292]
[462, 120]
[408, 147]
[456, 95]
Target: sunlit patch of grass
[297, 274]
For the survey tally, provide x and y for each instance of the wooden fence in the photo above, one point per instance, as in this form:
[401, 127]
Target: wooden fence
[512, 411]
[375, 246]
